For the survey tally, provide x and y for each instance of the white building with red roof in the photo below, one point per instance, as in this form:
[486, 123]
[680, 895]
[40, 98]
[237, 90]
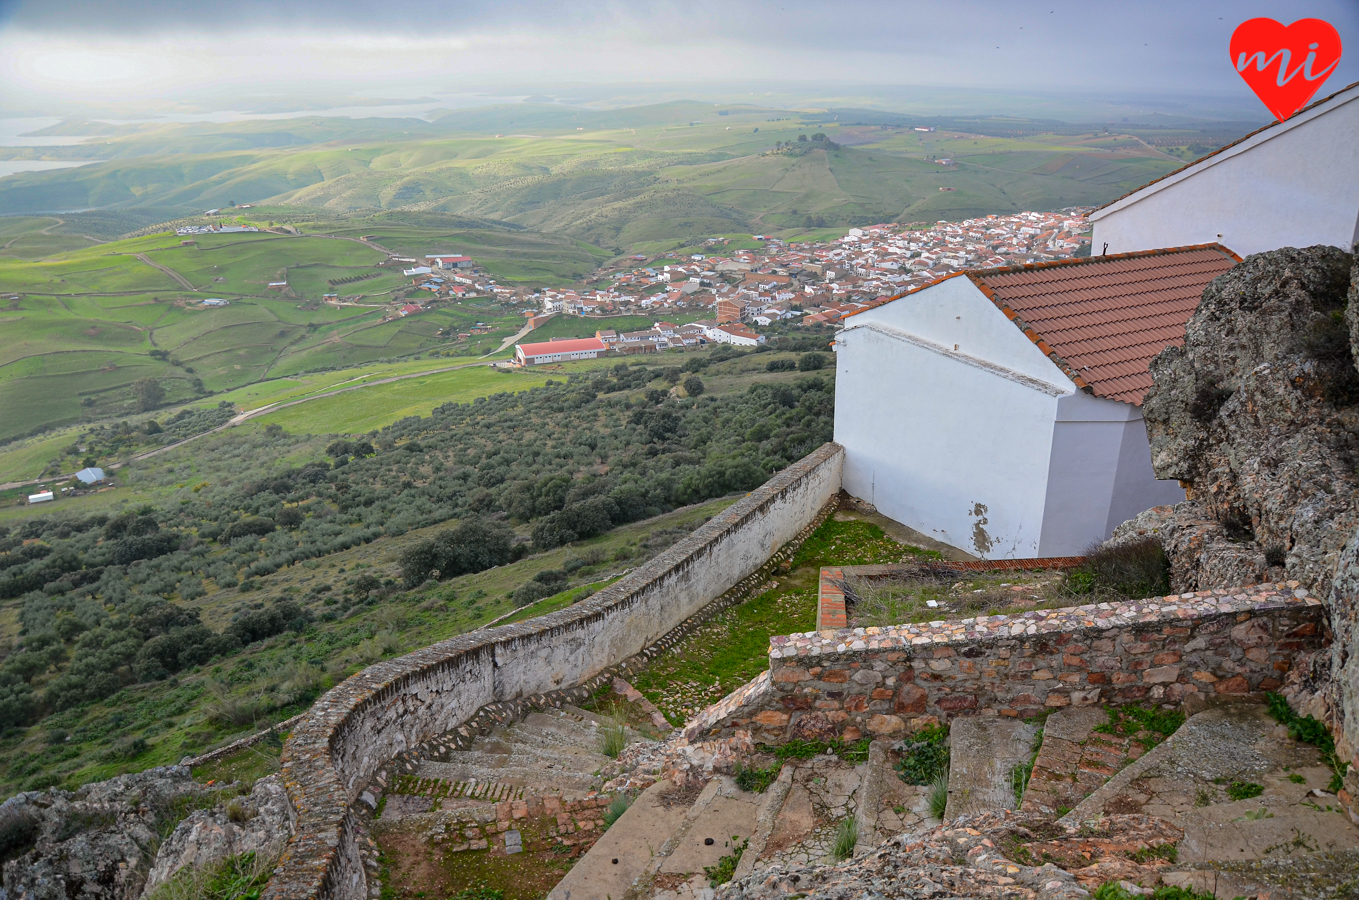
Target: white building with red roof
[999, 410]
[558, 351]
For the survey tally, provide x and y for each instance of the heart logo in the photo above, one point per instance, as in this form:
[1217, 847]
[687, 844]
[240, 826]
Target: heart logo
[1285, 64]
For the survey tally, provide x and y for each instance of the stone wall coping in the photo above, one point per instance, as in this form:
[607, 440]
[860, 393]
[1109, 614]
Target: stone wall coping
[1173, 607]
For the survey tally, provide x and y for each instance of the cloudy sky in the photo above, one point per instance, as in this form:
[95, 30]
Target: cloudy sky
[159, 51]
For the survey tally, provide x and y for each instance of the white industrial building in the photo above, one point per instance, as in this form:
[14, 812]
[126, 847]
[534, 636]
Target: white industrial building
[560, 350]
[999, 411]
[1294, 183]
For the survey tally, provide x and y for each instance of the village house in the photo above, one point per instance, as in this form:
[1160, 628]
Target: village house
[1294, 183]
[999, 410]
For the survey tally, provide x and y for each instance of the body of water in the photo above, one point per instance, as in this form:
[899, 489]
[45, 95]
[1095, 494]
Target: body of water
[15, 166]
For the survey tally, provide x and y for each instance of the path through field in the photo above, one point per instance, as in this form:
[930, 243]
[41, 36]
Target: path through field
[248, 415]
[183, 282]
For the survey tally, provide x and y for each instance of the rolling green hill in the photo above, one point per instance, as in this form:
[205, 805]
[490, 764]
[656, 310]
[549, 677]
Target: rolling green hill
[612, 178]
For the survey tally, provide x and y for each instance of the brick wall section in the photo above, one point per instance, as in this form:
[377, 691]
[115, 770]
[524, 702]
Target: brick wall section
[830, 607]
[886, 681]
[389, 708]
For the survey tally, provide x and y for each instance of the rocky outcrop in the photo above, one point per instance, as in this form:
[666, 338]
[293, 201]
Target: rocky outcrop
[94, 844]
[978, 856]
[260, 823]
[1258, 416]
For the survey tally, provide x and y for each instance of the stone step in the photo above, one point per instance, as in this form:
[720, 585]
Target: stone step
[983, 752]
[721, 819]
[822, 792]
[1284, 837]
[1074, 760]
[771, 807]
[623, 853]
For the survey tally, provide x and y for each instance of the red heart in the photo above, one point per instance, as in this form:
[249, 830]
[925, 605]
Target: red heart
[1285, 65]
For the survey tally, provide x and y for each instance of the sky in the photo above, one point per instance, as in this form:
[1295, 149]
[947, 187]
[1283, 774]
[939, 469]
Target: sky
[55, 53]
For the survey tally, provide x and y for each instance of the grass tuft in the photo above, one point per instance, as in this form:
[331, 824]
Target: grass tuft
[939, 795]
[846, 837]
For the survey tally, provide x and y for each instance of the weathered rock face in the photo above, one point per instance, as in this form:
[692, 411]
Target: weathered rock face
[1258, 414]
[96, 843]
[260, 823]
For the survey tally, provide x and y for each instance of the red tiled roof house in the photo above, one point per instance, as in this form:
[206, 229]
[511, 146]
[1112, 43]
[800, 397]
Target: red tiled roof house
[999, 410]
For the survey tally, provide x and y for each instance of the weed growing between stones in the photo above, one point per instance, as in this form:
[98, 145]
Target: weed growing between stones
[612, 738]
[852, 752]
[1168, 852]
[234, 878]
[1023, 772]
[846, 836]
[754, 779]
[1145, 721]
[1244, 790]
[939, 795]
[925, 756]
[725, 868]
[1310, 731]
[614, 811]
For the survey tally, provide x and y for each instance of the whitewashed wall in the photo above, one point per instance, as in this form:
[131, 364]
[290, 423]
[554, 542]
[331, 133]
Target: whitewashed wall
[1293, 185]
[934, 437]
[1099, 474]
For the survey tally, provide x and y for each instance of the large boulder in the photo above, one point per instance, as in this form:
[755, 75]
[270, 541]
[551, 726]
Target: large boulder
[258, 823]
[1258, 416]
[95, 843]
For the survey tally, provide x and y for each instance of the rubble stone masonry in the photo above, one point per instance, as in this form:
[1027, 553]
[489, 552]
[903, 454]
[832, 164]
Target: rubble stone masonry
[860, 682]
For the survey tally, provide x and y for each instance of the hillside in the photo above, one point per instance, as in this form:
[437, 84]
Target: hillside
[615, 178]
[223, 585]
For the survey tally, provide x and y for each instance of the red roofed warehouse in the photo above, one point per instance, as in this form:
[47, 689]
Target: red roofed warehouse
[999, 410]
[558, 351]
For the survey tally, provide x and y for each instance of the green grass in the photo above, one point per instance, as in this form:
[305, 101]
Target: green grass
[733, 647]
[1149, 723]
[580, 327]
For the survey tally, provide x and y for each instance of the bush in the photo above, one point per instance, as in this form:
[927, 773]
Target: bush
[250, 525]
[265, 623]
[18, 829]
[530, 591]
[473, 546]
[1134, 569]
[781, 365]
[693, 385]
[810, 362]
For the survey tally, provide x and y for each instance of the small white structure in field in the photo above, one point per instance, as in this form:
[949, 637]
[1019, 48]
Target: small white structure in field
[40, 497]
[1294, 183]
[999, 410]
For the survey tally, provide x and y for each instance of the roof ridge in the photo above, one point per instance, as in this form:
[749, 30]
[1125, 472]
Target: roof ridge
[1244, 137]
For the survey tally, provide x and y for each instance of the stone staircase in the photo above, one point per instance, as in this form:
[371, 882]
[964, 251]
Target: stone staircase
[661, 846]
[531, 787]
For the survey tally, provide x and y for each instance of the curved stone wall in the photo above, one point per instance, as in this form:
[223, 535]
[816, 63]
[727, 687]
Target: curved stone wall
[395, 705]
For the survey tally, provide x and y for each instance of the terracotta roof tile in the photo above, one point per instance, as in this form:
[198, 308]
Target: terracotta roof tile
[1102, 320]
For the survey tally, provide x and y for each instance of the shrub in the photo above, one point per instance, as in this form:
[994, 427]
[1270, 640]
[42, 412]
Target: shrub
[811, 362]
[924, 756]
[1134, 569]
[693, 386]
[473, 546]
[18, 829]
[781, 365]
[250, 525]
[265, 623]
[530, 591]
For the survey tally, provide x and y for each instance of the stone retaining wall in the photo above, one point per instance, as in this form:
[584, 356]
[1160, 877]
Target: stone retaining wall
[389, 708]
[884, 681]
